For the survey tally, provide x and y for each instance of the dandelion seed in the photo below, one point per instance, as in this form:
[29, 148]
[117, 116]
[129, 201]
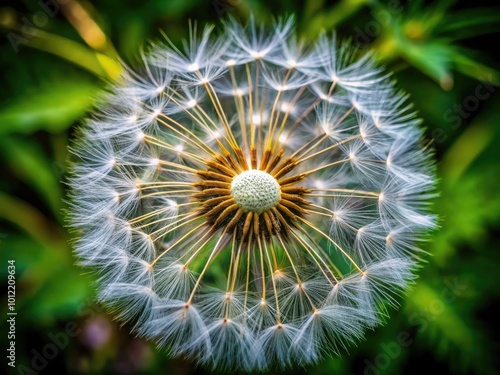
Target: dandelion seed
[297, 171]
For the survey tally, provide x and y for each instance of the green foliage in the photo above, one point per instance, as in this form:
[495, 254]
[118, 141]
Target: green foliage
[442, 55]
[53, 108]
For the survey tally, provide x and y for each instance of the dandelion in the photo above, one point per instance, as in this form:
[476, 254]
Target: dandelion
[250, 201]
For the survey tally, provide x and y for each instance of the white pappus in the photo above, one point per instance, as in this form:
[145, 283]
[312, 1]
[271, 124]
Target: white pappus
[250, 200]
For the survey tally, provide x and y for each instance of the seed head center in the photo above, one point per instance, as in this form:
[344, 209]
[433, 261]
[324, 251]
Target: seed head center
[255, 191]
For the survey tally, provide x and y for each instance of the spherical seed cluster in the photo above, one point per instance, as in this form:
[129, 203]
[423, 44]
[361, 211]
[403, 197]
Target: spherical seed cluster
[256, 191]
[251, 201]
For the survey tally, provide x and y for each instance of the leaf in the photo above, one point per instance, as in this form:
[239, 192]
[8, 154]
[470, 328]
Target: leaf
[20, 248]
[57, 298]
[432, 58]
[331, 18]
[431, 309]
[467, 63]
[30, 219]
[49, 285]
[471, 22]
[175, 6]
[53, 108]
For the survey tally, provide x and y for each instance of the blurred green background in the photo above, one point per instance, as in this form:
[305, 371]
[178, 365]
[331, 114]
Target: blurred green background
[56, 55]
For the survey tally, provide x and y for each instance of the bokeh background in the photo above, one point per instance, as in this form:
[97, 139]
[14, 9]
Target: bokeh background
[56, 55]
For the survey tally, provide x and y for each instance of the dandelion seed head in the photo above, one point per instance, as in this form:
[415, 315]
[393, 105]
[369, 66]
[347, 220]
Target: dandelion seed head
[295, 170]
